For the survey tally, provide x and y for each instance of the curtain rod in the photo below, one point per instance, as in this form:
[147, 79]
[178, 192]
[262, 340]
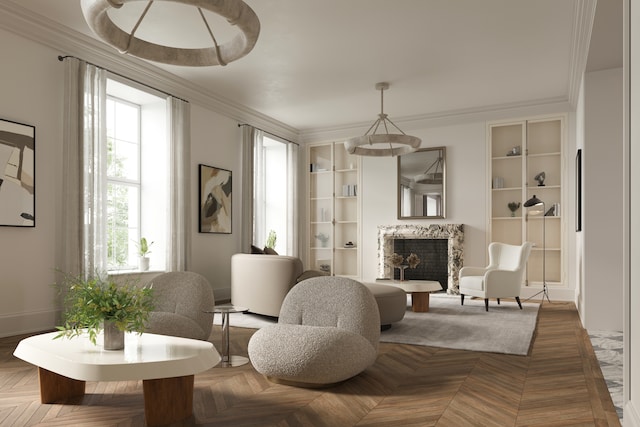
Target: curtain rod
[62, 58]
[267, 132]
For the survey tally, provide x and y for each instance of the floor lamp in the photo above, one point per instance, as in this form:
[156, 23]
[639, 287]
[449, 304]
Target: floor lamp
[534, 201]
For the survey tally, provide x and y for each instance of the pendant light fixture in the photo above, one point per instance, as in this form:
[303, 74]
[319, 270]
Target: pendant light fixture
[433, 175]
[382, 144]
[236, 12]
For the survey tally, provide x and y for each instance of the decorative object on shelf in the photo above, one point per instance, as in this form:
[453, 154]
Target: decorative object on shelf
[382, 144]
[98, 15]
[97, 303]
[515, 151]
[534, 201]
[17, 182]
[540, 179]
[513, 207]
[143, 251]
[324, 265]
[497, 182]
[349, 244]
[323, 238]
[215, 200]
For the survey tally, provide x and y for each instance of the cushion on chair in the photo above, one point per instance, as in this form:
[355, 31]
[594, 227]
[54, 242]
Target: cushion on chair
[180, 301]
[475, 283]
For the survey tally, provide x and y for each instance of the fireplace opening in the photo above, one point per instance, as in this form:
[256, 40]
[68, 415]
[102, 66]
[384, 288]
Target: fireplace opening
[434, 259]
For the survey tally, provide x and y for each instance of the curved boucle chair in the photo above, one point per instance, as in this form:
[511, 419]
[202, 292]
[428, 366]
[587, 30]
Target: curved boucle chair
[328, 331]
[180, 298]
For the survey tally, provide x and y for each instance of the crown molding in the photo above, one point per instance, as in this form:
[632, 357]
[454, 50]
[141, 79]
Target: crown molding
[22, 22]
[585, 12]
[446, 118]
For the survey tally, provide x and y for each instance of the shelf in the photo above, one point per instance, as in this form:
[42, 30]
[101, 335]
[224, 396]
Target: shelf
[507, 218]
[553, 154]
[507, 189]
[544, 187]
[346, 170]
[321, 222]
[507, 157]
[346, 249]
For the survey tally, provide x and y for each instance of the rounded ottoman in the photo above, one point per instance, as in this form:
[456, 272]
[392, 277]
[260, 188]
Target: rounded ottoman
[392, 303]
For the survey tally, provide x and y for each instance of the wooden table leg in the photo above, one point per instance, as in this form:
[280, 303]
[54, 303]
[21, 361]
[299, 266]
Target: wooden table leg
[420, 302]
[168, 400]
[58, 388]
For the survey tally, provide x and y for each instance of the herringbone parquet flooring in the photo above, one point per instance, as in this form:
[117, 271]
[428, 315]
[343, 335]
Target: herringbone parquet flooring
[558, 384]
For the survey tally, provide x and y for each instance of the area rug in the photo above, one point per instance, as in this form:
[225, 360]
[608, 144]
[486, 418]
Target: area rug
[503, 329]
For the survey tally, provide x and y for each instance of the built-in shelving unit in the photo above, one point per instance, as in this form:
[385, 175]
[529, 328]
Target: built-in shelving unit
[333, 209]
[518, 152]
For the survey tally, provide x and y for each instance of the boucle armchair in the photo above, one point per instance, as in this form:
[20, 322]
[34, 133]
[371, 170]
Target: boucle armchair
[260, 282]
[502, 278]
[180, 301]
[328, 331]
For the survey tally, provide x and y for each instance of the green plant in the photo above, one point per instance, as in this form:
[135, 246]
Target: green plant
[271, 240]
[89, 302]
[324, 238]
[143, 247]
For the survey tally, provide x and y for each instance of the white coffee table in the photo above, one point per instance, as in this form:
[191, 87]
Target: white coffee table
[419, 289]
[166, 365]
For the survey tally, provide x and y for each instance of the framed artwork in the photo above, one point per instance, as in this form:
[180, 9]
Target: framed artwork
[17, 174]
[579, 190]
[215, 200]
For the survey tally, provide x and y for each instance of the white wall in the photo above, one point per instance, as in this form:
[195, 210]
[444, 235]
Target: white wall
[602, 277]
[465, 193]
[632, 307]
[32, 88]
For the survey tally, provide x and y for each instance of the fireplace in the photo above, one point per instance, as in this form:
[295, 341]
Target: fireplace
[405, 239]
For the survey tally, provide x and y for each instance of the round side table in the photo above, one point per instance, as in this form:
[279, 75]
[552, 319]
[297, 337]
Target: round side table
[229, 361]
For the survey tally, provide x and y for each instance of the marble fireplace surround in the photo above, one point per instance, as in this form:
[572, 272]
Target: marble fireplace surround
[454, 233]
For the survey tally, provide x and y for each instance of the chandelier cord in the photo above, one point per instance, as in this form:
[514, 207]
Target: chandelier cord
[215, 43]
[135, 27]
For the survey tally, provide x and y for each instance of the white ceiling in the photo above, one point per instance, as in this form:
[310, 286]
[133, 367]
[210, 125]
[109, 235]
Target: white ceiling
[316, 62]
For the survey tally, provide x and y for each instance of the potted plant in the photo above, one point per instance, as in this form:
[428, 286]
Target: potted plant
[324, 239]
[95, 303]
[143, 251]
[271, 239]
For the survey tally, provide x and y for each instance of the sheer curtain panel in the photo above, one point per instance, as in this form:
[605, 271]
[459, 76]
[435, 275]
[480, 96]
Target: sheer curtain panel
[84, 165]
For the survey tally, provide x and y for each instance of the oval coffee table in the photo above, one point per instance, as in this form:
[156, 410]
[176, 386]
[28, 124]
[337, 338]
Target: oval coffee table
[419, 289]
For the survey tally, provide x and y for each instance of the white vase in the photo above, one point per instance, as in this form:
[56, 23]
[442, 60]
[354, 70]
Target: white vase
[143, 263]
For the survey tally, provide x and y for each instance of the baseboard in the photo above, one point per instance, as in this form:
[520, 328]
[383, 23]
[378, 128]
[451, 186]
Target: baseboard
[631, 415]
[554, 294]
[26, 323]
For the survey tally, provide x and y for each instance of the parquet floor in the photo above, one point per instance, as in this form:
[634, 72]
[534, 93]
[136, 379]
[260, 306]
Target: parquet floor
[558, 384]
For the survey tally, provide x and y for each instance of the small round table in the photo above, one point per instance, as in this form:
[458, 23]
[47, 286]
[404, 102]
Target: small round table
[229, 361]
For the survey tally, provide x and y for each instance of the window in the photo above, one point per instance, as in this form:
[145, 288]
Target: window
[137, 183]
[274, 199]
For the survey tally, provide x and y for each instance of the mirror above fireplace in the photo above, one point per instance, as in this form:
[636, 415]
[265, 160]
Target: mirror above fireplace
[422, 184]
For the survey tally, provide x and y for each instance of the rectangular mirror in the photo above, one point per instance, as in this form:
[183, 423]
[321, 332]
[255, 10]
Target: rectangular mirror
[422, 184]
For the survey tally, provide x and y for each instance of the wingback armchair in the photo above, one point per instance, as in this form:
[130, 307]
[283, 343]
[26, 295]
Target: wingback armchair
[502, 278]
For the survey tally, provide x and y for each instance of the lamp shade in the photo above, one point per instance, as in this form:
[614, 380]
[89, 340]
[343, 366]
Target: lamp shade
[534, 201]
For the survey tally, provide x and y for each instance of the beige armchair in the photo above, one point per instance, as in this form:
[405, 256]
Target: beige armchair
[327, 332]
[260, 282]
[502, 278]
[180, 299]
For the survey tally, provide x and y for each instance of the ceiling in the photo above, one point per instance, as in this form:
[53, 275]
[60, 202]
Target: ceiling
[316, 62]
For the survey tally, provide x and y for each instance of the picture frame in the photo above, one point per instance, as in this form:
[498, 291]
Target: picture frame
[17, 174]
[579, 190]
[215, 200]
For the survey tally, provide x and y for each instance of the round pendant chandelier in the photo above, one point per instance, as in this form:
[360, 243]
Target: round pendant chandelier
[236, 12]
[382, 144]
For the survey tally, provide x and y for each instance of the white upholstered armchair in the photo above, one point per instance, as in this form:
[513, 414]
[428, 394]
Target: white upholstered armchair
[502, 278]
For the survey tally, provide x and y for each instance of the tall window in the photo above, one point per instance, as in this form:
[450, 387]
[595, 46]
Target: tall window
[136, 176]
[274, 199]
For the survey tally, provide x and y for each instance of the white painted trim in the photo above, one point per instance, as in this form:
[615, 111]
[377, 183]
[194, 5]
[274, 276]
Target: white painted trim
[28, 322]
[631, 415]
[585, 12]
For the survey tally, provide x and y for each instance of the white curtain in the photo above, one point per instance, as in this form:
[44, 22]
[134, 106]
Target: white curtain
[255, 227]
[179, 242]
[249, 134]
[84, 235]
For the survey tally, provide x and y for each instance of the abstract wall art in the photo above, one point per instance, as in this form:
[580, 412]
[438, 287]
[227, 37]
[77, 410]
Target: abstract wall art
[215, 200]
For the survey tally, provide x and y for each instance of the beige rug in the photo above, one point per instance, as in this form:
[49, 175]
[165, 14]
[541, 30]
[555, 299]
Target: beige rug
[503, 329]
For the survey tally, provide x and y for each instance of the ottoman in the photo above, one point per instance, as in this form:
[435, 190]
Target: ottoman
[392, 303]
